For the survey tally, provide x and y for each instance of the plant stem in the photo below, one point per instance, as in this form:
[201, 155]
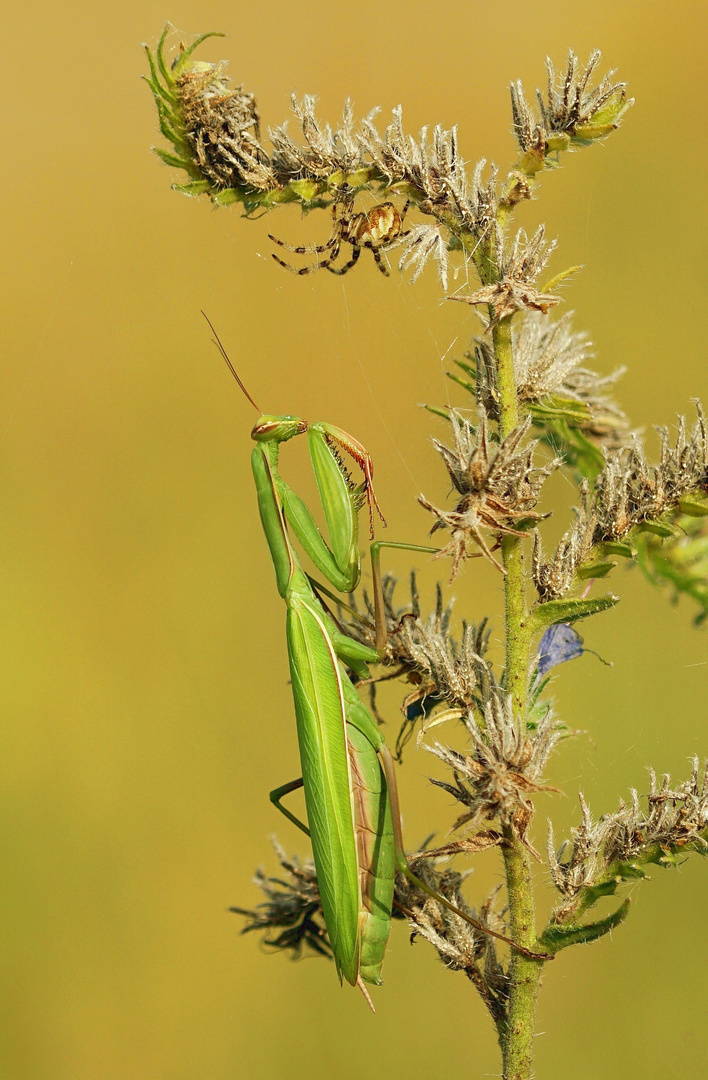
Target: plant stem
[516, 614]
[524, 973]
[506, 381]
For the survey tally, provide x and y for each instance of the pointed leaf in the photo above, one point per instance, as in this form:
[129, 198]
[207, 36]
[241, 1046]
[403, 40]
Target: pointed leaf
[568, 611]
[556, 938]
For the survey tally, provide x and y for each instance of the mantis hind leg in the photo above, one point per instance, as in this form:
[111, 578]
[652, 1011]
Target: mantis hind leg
[402, 862]
[277, 794]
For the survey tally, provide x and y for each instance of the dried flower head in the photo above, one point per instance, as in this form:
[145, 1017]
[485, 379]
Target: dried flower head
[215, 130]
[553, 579]
[291, 914]
[550, 378]
[222, 128]
[573, 112]
[603, 854]
[325, 151]
[549, 359]
[518, 267]
[437, 667]
[434, 170]
[574, 867]
[504, 766]
[458, 945]
[420, 244]
[673, 819]
[498, 484]
[629, 491]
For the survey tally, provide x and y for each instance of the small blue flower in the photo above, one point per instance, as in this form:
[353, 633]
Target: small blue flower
[558, 644]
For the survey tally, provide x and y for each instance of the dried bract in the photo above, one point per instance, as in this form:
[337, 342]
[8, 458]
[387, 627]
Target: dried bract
[575, 866]
[628, 493]
[422, 243]
[458, 945]
[499, 487]
[549, 360]
[673, 819]
[437, 667]
[325, 151]
[436, 171]
[553, 579]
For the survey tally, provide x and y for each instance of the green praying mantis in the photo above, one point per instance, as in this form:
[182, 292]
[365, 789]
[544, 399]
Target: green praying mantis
[348, 774]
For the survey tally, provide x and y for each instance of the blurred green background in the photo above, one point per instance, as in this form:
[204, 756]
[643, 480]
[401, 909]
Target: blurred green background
[146, 708]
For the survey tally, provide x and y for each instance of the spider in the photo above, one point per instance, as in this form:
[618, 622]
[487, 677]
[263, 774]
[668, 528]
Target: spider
[375, 230]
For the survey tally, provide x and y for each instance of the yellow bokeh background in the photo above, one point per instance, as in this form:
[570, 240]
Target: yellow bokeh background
[146, 711]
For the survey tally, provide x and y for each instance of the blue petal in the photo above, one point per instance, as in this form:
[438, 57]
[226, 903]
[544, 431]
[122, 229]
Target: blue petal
[558, 644]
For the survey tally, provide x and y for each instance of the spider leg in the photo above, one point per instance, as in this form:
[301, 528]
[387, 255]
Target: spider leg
[356, 252]
[324, 265]
[379, 261]
[309, 249]
[294, 269]
[332, 246]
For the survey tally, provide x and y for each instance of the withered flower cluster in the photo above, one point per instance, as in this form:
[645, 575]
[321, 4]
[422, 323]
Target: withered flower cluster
[216, 135]
[291, 914]
[519, 266]
[573, 110]
[549, 359]
[504, 765]
[459, 946]
[291, 919]
[551, 378]
[628, 494]
[630, 491]
[436, 666]
[498, 483]
[222, 128]
[604, 853]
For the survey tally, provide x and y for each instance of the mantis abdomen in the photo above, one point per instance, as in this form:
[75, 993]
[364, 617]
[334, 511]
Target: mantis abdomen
[348, 808]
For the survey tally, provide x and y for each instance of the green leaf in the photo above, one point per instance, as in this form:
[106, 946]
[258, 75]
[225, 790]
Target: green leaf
[557, 408]
[184, 56]
[160, 54]
[569, 611]
[172, 159]
[680, 561]
[566, 439]
[197, 187]
[557, 937]
[560, 278]
[615, 547]
[693, 507]
[595, 569]
[658, 528]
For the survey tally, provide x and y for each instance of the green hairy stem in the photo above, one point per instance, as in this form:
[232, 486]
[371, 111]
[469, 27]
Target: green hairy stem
[524, 974]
